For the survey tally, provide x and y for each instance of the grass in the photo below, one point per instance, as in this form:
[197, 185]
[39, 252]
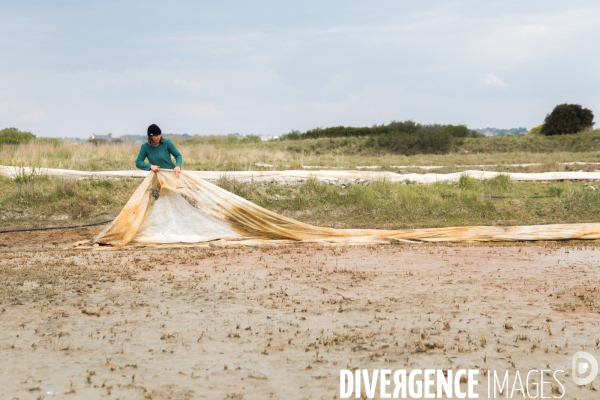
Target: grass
[121, 156]
[53, 201]
[386, 205]
[33, 200]
[343, 153]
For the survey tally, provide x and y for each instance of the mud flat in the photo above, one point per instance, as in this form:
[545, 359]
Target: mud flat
[280, 323]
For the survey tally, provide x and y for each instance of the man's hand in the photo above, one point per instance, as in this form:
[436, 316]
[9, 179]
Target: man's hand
[177, 171]
[154, 168]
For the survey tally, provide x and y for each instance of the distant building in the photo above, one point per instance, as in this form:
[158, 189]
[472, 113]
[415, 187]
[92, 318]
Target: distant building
[107, 138]
[268, 137]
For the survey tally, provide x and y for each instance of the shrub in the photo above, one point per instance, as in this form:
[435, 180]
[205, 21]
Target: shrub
[393, 128]
[426, 140]
[292, 135]
[250, 139]
[536, 130]
[406, 137]
[233, 139]
[15, 136]
[566, 119]
[406, 126]
[422, 139]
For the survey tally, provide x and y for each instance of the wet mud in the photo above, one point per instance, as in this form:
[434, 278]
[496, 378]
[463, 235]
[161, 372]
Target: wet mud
[280, 322]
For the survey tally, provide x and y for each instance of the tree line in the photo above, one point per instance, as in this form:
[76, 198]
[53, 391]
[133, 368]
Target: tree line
[15, 136]
[405, 137]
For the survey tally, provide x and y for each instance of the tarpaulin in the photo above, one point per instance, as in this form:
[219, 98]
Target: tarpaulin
[167, 209]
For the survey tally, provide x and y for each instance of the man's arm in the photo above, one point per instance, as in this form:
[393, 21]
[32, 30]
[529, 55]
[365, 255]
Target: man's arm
[173, 150]
[139, 162]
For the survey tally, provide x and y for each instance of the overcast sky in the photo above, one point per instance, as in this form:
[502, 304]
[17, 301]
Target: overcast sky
[73, 68]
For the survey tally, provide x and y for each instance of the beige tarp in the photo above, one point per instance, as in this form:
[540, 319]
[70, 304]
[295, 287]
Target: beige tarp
[165, 209]
[323, 175]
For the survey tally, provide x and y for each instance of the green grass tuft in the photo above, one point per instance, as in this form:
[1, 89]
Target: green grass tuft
[48, 201]
[387, 205]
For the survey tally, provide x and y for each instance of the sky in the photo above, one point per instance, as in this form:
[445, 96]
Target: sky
[73, 68]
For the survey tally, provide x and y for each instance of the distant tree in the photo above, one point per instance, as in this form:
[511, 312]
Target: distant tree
[15, 136]
[394, 128]
[292, 135]
[566, 119]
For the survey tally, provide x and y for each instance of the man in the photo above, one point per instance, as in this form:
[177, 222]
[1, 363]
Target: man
[158, 151]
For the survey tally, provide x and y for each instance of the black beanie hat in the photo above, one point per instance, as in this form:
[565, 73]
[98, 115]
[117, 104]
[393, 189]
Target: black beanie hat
[154, 130]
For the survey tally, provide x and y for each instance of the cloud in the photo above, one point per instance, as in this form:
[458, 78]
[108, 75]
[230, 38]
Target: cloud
[188, 84]
[341, 63]
[198, 111]
[21, 111]
[493, 80]
[509, 41]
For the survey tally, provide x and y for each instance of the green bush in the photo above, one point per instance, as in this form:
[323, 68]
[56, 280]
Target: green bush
[344, 131]
[422, 139]
[233, 139]
[15, 136]
[406, 137]
[406, 126]
[536, 130]
[393, 128]
[292, 135]
[566, 119]
[250, 139]
[426, 140]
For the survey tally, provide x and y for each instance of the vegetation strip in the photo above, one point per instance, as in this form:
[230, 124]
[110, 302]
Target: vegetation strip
[229, 153]
[379, 204]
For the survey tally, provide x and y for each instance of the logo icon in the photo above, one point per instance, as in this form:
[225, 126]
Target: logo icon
[585, 368]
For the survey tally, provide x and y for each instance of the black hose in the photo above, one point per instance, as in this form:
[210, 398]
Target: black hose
[508, 197]
[56, 227]
[519, 197]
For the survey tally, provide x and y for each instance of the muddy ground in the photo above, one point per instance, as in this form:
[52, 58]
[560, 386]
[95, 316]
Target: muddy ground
[280, 323]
